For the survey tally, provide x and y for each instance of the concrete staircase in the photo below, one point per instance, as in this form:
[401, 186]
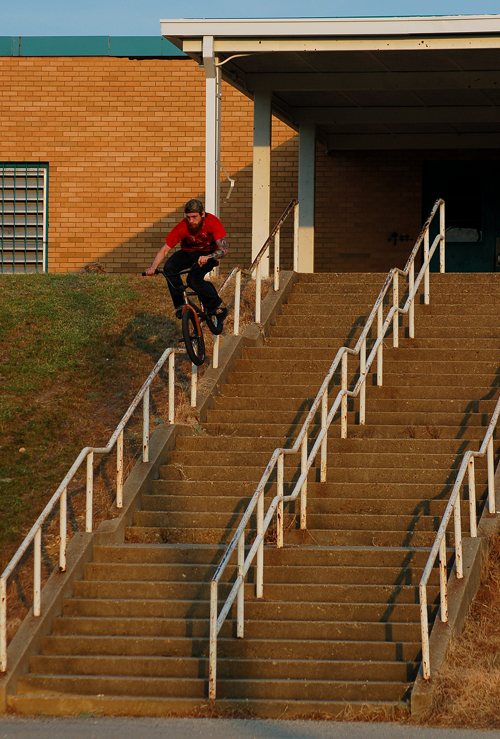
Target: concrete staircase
[339, 624]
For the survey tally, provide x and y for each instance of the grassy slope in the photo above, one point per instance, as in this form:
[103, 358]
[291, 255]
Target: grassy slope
[74, 350]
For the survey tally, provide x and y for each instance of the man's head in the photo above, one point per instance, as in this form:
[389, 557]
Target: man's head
[194, 213]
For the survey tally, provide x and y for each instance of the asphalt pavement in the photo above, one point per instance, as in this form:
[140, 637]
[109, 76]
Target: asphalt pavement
[134, 728]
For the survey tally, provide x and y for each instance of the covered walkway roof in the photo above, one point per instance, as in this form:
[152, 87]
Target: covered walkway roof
[376, 83]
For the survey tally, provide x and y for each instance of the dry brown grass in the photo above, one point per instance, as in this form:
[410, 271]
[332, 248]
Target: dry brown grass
[467, 687]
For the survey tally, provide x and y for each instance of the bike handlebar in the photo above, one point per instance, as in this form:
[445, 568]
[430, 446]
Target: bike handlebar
[172, 274]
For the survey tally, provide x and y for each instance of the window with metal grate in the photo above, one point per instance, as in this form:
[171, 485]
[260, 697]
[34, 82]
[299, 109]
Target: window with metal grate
[23, 217]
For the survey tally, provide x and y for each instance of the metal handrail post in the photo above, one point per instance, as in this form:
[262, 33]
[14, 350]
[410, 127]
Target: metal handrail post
[277, 261]
[459, 563]
[296, 238]
[426, 274]
[411, 311]
[424, 630]
[3, 624]
[194, 385]
[240, 629]
[279, 491]
[171, 388]
[89, 492]
[395, 302]
[303, 491]
[380, 324]
[343, 404]
[324, 428]
[443, 582]
[491, 477]
[259, 579]
[215, 357]
[63, 529]
[362, 389]
[472, 499]
[212, 676]
[119, 470]
[37, 572]
[237, 301]
[145, 426]
[443, 238]
[258, 293]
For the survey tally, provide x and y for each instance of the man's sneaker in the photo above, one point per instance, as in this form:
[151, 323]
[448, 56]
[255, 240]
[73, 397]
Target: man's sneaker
[220, 313]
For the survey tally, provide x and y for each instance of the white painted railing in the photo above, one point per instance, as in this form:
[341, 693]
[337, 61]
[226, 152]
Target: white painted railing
[116, 441]
[277, 461]
[60, 496]
[439, 546]
[255, 267]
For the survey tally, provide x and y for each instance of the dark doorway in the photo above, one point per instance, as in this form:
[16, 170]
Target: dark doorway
[469, 192]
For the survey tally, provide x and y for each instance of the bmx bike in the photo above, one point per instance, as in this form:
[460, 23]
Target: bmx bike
[192, 319]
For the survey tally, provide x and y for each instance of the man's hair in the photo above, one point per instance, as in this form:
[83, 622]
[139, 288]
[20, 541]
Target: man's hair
[194, 206]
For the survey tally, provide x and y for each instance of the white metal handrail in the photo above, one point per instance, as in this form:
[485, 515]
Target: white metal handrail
[301, 444]
[60, 496]
[439, 546]
[255, 267]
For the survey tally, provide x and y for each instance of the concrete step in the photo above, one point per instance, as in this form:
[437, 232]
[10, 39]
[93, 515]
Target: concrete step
[287, 433]
[182, 687]
[420, 475]
[460, 405]
[290, 419]
[375, 445]
[292, 537]
[174, 667]
[412, 354]
[265, 610]
[308, 392]
[392, 377]
[77, 705]
[362, 456]
[305, 555]
[121, 572]
[289, 365]
[386, 648]
[360, 506]
[388, 493]
[437, 343]
[425, 316]
[261, 629]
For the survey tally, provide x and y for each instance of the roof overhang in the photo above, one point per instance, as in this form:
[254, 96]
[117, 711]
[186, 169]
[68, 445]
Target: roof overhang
[367, 83]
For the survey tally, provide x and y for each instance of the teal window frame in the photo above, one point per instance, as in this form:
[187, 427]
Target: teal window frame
[24, 198]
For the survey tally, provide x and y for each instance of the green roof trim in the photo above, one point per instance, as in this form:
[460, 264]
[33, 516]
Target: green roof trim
[119, 46]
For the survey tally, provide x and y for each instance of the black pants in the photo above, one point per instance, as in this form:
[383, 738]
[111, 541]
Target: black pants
[206, 292]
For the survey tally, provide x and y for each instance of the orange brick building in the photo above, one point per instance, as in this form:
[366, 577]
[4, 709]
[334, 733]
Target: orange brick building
[118, 126]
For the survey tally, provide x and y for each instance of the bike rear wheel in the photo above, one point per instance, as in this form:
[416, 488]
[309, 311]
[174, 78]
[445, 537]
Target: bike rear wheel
[215, 324]
[193, 337]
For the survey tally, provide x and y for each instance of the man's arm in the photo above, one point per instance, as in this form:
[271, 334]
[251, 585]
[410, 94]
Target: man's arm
[158, 260]
[220, 252]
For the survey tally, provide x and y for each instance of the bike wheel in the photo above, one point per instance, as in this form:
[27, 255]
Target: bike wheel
[193, 339]
[214, 324]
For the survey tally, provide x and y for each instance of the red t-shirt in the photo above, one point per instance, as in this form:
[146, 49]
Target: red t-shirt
[211, 230]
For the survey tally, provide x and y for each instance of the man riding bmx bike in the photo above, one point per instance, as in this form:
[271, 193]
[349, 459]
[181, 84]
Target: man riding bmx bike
[203, 244]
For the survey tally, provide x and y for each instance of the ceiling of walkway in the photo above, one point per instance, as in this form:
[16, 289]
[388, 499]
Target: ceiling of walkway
[369, 91]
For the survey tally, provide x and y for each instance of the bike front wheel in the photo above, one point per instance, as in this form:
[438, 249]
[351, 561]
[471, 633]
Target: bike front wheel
[193, 338]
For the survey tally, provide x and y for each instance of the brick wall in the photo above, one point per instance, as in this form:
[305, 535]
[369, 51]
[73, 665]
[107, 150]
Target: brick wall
[125, 143]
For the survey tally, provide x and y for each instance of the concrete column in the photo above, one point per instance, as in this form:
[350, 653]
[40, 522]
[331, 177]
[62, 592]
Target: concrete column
[261, 184]
[212, 127]
[307, 177]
